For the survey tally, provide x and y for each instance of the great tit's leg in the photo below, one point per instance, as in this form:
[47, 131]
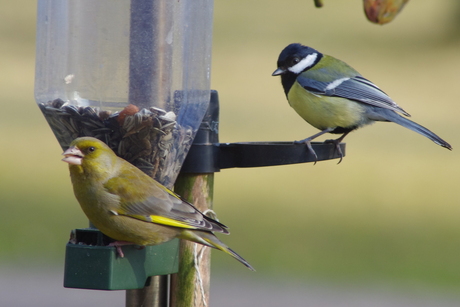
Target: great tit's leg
[311, 138]
[308, 140]
[312, 151]
[337, 142]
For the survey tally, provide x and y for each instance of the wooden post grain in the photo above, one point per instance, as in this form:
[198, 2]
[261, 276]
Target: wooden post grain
[190, 286]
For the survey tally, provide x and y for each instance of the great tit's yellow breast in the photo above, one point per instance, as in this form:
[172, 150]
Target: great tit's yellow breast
[325, 112]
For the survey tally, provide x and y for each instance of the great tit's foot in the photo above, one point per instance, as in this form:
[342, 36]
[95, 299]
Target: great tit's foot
[299, 142]
[307, 142]
[312, 151]
[337, 147]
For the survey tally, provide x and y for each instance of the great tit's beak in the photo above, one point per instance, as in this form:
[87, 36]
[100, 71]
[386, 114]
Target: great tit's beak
[73, 156]
[278, 71]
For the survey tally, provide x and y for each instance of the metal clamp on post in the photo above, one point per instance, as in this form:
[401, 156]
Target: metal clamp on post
[207, 155]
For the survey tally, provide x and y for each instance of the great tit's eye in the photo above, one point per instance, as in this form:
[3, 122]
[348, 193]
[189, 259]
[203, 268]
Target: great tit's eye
[91, 149]
[295, 60]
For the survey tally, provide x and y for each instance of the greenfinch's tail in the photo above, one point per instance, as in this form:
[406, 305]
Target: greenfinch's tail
[209, 239]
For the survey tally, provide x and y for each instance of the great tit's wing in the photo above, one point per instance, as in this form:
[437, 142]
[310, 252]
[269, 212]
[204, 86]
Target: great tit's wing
[355, 88]
[157, 204]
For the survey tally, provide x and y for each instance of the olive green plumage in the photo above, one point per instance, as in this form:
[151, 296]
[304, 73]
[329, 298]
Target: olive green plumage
[333, 97]
[129, 206]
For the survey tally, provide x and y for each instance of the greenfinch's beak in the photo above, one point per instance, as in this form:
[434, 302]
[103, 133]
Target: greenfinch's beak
[73, 156]
[279, 71]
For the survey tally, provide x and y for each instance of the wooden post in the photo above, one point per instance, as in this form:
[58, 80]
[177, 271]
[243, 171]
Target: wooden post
[190, 286]
[155, 294]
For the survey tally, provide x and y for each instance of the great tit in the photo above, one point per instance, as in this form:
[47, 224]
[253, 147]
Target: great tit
[335, 98]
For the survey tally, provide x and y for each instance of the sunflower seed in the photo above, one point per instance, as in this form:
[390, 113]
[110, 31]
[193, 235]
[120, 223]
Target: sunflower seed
[151, 139]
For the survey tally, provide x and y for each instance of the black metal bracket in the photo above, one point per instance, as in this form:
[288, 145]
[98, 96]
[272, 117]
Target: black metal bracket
[207, 155]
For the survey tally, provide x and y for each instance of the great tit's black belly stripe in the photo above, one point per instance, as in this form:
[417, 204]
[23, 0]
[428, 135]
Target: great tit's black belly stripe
[341, 130]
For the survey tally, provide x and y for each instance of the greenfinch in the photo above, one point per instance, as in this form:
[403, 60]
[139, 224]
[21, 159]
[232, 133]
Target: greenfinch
[131, 207]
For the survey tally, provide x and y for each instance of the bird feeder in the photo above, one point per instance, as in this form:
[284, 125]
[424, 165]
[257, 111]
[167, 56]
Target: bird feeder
[136, 75]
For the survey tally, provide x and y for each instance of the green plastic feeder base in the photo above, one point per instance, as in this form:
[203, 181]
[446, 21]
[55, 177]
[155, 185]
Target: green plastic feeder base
[91, 264]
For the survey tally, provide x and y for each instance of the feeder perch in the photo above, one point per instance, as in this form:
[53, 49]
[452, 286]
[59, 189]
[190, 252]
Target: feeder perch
[91, 264]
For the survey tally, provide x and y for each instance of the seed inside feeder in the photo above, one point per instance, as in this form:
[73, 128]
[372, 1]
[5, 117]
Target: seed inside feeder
[150, 139]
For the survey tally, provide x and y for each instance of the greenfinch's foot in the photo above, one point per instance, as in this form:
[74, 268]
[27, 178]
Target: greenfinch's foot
[120, 252]
[118, 245]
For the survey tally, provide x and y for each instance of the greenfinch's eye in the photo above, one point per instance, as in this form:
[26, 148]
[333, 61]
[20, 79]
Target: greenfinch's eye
[91, 149]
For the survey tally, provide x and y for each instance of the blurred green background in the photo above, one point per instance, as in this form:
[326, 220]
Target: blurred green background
[388, 213]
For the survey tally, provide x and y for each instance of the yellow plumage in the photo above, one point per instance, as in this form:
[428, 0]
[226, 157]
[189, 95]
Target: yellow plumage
[129, 206]
[322, 111]
[333, 97]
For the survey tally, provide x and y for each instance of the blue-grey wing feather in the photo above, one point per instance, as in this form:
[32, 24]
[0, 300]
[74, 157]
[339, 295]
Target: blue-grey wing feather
[355, 88]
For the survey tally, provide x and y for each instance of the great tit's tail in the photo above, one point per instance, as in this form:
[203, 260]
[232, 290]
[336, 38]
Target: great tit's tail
[394, 117]
[209, 239]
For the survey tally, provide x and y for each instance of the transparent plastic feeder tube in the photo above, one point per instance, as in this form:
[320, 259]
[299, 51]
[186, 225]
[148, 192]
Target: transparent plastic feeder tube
[135, 74]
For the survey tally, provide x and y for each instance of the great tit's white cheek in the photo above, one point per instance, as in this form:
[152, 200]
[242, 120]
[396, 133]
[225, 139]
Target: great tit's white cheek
[304, 63]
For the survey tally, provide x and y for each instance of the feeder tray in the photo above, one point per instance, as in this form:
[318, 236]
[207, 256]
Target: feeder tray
[91, 264]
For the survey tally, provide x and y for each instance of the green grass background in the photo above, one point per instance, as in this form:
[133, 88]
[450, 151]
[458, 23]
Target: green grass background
[389, 212]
